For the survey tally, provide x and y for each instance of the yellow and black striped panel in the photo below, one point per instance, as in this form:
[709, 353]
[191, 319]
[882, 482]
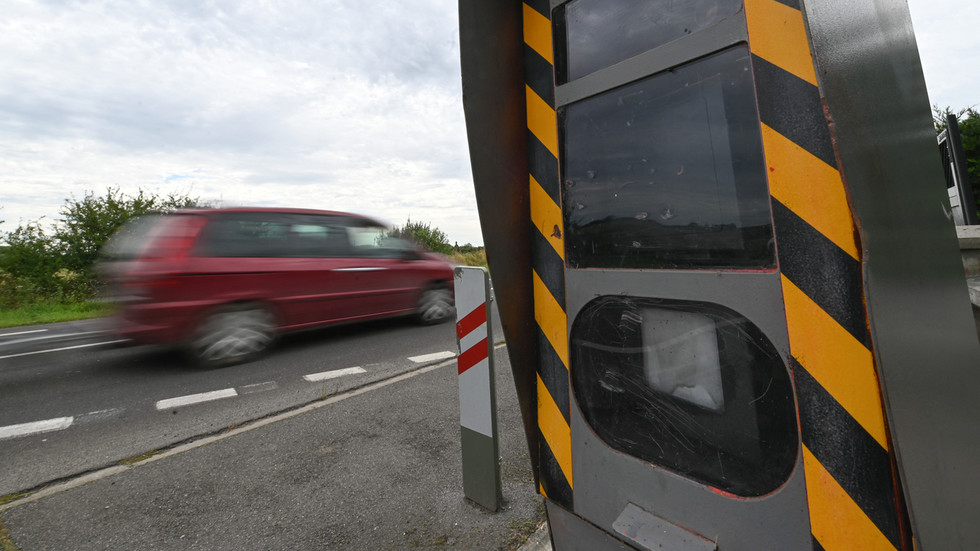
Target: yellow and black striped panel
[547, 256]
[852, 493]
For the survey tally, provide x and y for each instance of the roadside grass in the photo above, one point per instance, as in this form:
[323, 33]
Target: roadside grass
[137, 458]
[10, 498]
[51, 312]
[6, 544]
[473, 258]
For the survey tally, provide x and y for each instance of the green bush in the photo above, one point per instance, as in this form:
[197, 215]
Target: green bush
[57, 265]
[425, 236]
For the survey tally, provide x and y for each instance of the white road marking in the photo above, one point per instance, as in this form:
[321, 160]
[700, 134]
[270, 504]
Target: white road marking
[62, 349]
[117, 469]
[196, 398]
[259, 387]
[36, 427]
[314, 377]
[22, 333]
[98, 415]
[433, 357]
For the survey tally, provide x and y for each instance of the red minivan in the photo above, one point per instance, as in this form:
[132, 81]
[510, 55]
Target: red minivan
[224, 282]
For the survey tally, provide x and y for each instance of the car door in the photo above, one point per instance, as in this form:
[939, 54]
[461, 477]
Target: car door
[381, 272]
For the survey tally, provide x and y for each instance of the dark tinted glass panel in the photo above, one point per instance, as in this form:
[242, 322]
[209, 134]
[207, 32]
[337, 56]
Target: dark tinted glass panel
[274, 235]
[692, 387]
[597, 33]
[668, 172]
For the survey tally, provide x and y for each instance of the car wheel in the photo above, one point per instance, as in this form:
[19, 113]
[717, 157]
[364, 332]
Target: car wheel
[435, 306]
[233, 335]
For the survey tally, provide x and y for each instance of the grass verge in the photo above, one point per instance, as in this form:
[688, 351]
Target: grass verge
[6, 544]
[137, 458]
[52, 312]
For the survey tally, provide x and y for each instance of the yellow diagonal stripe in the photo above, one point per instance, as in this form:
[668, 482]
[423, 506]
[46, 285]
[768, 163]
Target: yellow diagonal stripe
[555, 430]
[840, 363]
[551, 318]
[537, 33]
[835, 520]
[546, 216]
[542, 121]
[778, 35]
[810, 188]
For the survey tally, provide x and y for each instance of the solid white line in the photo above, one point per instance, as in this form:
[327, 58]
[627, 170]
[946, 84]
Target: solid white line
[196, 398]
[314, 377]
[22, 333]
[26, 429]
[61, 349]
[432, 357]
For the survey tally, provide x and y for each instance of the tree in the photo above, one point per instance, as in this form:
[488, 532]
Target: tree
[86, 224]
[425, 236]
[38, 264]
[969, 123]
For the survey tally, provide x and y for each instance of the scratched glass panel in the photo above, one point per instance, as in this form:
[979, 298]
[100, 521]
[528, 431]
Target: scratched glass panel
[668, 172]
[691, 387]
[600, 33]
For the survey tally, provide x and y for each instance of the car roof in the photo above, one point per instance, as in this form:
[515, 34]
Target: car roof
[276, 210]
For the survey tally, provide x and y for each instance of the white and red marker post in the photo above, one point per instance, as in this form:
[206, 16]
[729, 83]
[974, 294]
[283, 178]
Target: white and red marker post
[477, 393]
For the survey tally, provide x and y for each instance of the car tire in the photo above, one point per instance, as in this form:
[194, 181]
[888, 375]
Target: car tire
[233, 335]
[435, 306]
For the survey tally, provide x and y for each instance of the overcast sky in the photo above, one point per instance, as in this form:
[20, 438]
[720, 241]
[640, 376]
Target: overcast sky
[332, 104]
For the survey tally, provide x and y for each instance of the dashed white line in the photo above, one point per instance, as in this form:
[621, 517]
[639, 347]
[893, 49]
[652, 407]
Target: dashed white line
[314, 377]
[36, 427]
[62, 349]
[22, 333]
[259, 387]
[445, 355]
[196, 398]
[99, 415]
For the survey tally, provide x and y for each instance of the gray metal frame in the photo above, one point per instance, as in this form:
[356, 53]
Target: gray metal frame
[777, 521]
[921, 322]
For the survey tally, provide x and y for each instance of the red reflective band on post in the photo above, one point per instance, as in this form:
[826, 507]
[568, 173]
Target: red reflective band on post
[473, 356]
[472, 320]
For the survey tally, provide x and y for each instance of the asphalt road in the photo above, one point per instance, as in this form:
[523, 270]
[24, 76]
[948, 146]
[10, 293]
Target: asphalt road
[95, 406]
[371, 461]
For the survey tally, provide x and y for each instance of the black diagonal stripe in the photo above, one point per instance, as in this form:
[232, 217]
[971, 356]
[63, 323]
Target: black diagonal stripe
[816, 544]
[548, 265]
[541, 6]
[553, 374]
[552, 478]
[543, 166]
[791, 3]
[538, 75]
[848, 452]
[792, 106]
[822, 270]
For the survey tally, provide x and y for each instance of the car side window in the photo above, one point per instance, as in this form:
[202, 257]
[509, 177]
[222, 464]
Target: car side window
[242, 235]
[262, 235]
[377, 242]
[317, 237]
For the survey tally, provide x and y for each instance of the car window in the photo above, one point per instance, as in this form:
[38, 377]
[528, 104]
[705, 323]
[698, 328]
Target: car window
[275, 235]
[377, 242]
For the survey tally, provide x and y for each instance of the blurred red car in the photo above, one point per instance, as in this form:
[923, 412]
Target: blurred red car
[224, 282]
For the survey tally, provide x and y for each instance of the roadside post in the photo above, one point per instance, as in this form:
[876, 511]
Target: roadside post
[477, 394]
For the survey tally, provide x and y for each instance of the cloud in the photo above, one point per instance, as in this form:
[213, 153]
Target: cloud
[329, 104]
